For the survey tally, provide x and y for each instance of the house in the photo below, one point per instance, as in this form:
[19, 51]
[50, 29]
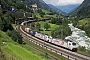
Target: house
[34, 6]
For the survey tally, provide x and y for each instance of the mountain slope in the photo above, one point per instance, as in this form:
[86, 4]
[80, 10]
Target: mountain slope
[83, 11]
[43, 5]
[11, 50]
[40, 3]
[68, 8]
[56, 9]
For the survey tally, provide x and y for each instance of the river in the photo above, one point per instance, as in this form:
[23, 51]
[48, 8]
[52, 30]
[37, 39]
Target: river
[79, 36]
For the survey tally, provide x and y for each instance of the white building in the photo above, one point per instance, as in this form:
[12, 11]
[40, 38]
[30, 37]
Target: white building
[34, 6]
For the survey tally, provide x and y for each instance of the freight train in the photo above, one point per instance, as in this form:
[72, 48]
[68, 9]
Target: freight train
[55, 41]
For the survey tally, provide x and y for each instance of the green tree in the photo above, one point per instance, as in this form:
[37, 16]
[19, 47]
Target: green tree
[32, 25]
[1, 24]
[38, 26]
[15, 36]
[61, 32]
[46, 26]
[6, 23]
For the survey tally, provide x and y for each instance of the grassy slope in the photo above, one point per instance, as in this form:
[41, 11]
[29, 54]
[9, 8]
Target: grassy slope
[46, 11]
[53, 26]
[14, 51]
[20, 52]
[83, 21]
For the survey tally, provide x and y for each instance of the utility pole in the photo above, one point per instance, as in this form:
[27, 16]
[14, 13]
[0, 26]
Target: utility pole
[44, 37]
[30, 25]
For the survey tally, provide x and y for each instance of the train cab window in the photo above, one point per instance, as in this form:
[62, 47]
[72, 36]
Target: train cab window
[73, 43]
[69, 43]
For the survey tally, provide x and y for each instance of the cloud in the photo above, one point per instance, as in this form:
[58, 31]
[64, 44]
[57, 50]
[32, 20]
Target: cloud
[63, 2]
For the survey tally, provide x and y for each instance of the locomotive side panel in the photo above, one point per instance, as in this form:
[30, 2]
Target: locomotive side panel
[60, 42]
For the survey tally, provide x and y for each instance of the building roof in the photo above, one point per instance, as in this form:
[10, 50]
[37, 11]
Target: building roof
[34, 5]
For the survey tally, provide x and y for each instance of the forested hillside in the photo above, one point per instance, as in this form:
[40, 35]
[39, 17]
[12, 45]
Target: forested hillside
[40, 3]
[83, 11]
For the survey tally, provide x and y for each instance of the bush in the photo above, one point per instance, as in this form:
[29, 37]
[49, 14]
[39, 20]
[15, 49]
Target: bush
[81, 48]
[15, 36]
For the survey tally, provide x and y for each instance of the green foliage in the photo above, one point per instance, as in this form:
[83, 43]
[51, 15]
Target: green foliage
[4, 38]
[84, 24]
[12, 16]
[46, 26]
[1, 13]
[5, 22]
[38, 26]
[81, 48]
[32, 25]
[61, 32]
[4, 4]
[84, 13]
[59, 21]
[52, 27]
[15, 36]
[14, 51]
[20, 5]
[5, 25]
[88, 51]
[40, 11]
[56, 21]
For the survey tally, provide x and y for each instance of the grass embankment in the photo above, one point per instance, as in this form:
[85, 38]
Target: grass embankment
[13, 51]
[20, 53]
[46, 51]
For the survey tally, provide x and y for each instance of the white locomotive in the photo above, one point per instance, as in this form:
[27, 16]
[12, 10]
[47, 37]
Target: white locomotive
[59, 42]
[64, 43]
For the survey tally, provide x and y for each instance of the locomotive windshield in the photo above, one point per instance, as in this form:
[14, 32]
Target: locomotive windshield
[73, 43]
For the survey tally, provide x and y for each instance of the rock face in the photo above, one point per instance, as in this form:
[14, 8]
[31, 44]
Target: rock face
[79, 36]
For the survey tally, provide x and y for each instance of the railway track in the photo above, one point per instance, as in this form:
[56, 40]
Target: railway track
[43, 52]
[66, 53]
[33, 40]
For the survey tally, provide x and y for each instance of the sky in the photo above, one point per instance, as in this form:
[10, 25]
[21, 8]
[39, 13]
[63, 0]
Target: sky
[63, 2]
